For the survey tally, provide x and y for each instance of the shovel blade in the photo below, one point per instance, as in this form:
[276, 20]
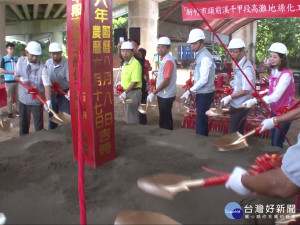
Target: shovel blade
[126, 101]
[66, 118]
[143, 217]
[6, 125]
[144, 109]
[228, 142]
[154, 185]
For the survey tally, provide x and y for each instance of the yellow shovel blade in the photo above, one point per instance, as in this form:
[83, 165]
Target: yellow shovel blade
[6, 125]
[63, 118]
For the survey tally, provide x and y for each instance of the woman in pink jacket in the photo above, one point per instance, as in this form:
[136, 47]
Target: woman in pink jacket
[281, 92]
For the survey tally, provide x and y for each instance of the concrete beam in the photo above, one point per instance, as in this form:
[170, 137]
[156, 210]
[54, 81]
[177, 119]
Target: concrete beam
[120, 10]
[36, 27]
[17, 11]
[35, 11]
[26, 11]
[48, 10]
[60, 9]
[27, 2]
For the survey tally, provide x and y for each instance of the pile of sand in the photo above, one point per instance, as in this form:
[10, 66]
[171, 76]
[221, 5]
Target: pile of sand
[39, 177]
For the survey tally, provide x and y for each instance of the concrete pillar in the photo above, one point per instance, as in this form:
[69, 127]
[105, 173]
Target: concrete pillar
[2, 33]
[56, 37]
[248, 35]
[144, 14]
[27, 38]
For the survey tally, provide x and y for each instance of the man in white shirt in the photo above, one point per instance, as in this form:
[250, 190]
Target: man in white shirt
[204, 77]
[57, 69]
[242, 90]
[31, 71]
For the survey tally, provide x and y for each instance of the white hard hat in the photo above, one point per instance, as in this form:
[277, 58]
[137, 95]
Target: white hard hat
[33, 48]
[278, 47]
[164, 41]
[55, 47]
[195, 35]
[126, 45]
[236, 43]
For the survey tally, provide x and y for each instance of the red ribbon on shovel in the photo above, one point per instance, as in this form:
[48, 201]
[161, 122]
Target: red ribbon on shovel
[56, 88]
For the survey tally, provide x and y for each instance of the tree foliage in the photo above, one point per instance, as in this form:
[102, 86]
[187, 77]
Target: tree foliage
[121, 22]
[284, 30]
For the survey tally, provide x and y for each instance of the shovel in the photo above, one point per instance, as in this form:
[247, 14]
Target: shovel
[218, 112]
[234, 141]
[143, 217]
[6, 125]
[36, 93]
[64, 118]
[145, 108]
[126, 101]
[167, 186]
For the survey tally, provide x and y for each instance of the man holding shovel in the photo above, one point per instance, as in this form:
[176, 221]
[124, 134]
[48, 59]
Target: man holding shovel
[131, 81]
[31, 72]
[165, 85]
[204, 77]
[57, 69]
[241, 88]
[283, 182]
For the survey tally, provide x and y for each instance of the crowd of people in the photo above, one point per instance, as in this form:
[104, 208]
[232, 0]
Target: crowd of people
[284, 182]
[30, 72]
[31, 84]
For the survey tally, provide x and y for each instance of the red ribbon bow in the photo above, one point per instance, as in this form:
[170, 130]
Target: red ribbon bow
[152, 84]
[33, 91]
[228, 91]
[55, 86]
[119, 89]
[188, 84]
[282, 110]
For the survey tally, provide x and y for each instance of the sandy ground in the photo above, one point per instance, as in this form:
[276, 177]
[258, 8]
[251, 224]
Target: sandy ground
[38, 175]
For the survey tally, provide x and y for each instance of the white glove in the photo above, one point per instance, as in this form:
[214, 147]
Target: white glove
[249, 103]
[267, 124]
[2, 219]
[267, 99]
[150, 97]
[185, 95]
[123, 96]
[47, 105]
[263, 92]
[23, 79]
[235, 181]
[68, 95]
[226, 99]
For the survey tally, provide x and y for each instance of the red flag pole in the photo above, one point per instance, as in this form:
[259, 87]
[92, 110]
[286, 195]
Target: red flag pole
[81, 191]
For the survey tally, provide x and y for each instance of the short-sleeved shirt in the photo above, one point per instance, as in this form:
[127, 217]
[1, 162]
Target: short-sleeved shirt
[290, 163]
[131, 72]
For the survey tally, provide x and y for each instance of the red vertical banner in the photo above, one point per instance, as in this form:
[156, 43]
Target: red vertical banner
[98, 131]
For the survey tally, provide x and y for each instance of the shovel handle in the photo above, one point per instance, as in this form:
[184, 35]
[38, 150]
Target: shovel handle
[254, 131]
[211, 181]
[51, 110]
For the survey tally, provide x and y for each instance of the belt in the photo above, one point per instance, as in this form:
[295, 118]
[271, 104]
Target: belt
[136, 88]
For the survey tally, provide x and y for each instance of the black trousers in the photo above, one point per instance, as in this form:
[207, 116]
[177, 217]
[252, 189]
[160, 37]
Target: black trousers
[237, 121]
[37, 113]
[165, 112]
